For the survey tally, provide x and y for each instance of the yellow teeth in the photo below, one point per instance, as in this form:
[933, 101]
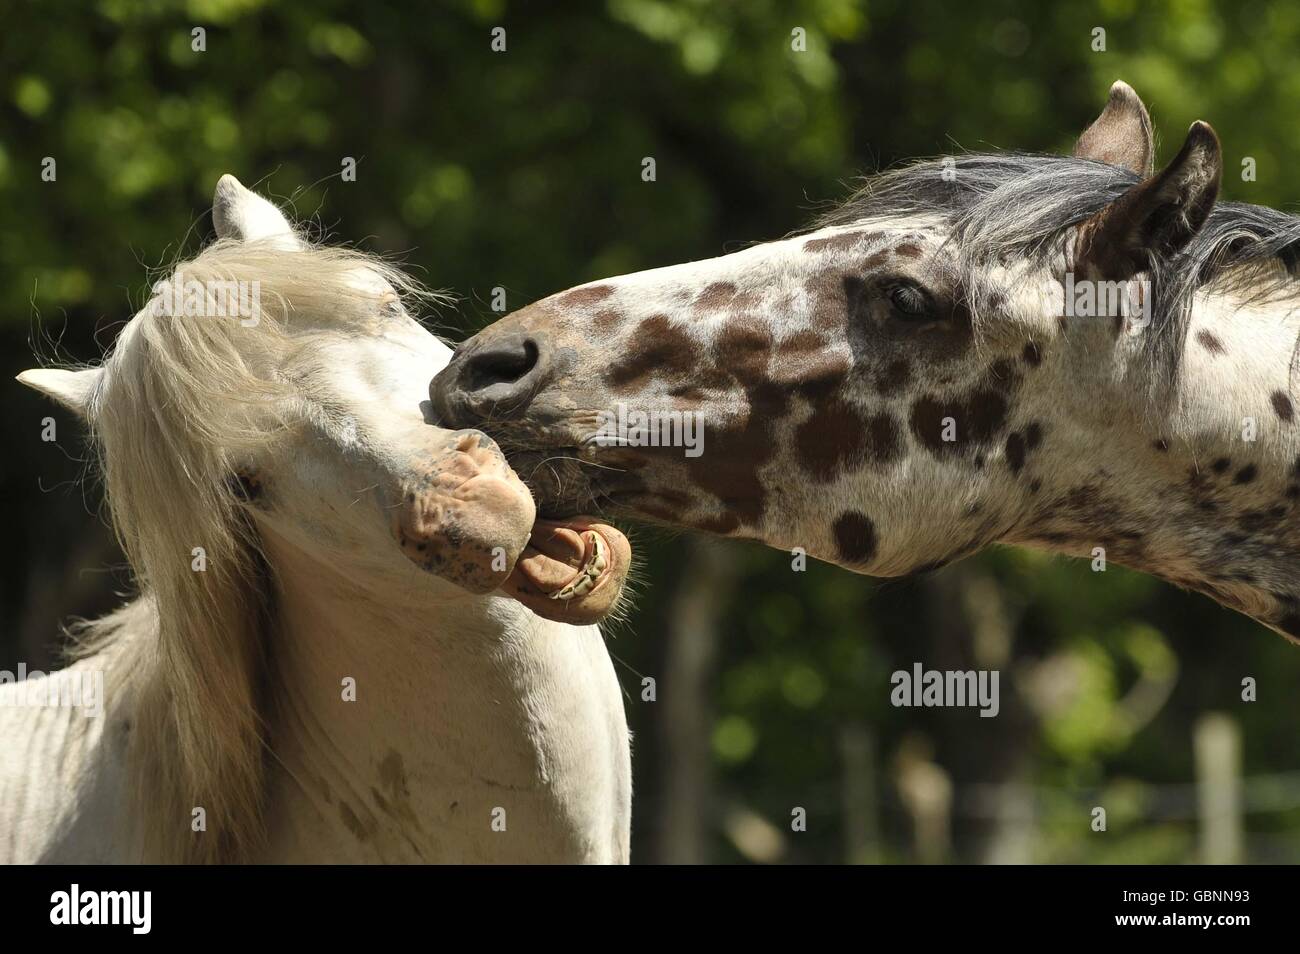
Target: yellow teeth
[589, 574]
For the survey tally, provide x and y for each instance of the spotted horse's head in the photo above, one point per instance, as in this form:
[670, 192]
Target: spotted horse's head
[980, 348]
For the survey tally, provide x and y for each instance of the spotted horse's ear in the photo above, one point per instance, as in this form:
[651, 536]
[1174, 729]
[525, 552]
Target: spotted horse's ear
[1121, 135]
[1156, 218]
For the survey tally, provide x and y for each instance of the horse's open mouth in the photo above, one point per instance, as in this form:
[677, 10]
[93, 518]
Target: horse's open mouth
[571, 572]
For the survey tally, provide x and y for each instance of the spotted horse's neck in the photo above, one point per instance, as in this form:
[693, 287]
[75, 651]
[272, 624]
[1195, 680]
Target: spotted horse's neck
[1203, 491]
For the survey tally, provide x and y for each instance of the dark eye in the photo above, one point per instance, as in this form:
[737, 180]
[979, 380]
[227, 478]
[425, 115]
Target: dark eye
[910, 302]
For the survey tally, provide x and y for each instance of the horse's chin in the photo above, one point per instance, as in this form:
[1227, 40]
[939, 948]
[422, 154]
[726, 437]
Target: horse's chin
[572, 571]
[573, 568]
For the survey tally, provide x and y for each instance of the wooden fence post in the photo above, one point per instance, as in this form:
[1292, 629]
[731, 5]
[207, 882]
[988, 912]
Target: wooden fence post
[1217, 746]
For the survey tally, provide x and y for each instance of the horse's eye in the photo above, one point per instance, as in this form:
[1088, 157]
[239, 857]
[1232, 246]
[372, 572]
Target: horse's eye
[910, 302]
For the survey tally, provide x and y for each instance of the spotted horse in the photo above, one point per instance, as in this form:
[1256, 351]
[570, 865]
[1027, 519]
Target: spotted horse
[908, 382]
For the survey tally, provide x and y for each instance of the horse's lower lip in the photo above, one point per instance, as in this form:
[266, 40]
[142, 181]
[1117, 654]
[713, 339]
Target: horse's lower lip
[572, 571]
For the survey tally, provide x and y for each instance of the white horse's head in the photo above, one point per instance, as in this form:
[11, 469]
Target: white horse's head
[265, 415]
[285, 382]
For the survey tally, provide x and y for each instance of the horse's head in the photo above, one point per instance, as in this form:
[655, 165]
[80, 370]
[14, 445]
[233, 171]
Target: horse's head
[885, 391]
[279, 386]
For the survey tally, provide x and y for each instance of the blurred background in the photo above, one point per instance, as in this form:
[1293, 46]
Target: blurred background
[521, 170]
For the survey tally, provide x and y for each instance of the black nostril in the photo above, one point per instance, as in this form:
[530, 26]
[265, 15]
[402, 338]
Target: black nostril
[505, 363]
[492, 376]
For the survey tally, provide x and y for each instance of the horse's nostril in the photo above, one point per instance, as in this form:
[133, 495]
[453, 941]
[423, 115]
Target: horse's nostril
[502, 364]
[497, 378]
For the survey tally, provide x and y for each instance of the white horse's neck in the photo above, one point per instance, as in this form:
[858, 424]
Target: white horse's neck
[478, 733]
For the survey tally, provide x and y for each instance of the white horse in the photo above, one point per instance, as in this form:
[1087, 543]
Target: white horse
[315, 669]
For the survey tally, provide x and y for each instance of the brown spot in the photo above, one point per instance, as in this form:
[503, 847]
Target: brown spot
[830, 292]
[1282, 406]
[1161, 445]
[392, 774]
[814, 376]
[832, 439]
[715, 296]
[606, 319]
[584, 297]
[836, 243]
[1015, 452]
[1257, 521]
[1221, 465]
[1032, 355]
[908, 250]
[660, 348]
[855, 537]
[361, 831]
[986, 413]
[884, 438]
[928, 424]
[1033, 435]
[800, 343]
[1209, 342]
[1245, 475]
[743, 349]
[977, 419]
[742, 445]
[895, 378]
[1002, 374]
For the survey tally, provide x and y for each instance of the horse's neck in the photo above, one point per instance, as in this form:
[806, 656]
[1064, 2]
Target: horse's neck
[478, 732]
[1208, 497]
[61, 775]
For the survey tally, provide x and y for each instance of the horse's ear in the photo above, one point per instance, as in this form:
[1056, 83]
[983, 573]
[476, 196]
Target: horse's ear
[72, 389]
[1155, 218]
[245, 216]
[1121, 135]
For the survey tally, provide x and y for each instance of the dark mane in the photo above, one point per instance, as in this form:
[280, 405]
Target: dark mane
[1003, 206]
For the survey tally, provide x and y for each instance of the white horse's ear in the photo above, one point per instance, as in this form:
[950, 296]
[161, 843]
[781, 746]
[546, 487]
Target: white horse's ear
[1121, 135]
[72, 389]
[245, 216]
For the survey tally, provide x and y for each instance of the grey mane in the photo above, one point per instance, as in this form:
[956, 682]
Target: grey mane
[1010, 205]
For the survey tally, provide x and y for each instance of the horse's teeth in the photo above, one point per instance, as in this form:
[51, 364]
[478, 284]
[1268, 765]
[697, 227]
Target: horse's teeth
[590, 572]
